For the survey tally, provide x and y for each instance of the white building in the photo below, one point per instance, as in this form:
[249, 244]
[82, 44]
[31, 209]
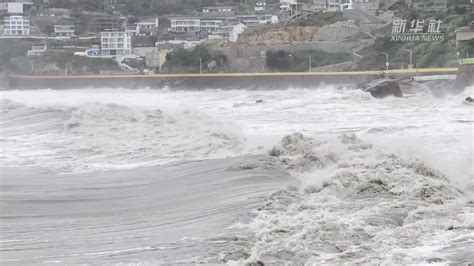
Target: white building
[346, 4]
[113, 43]
[37, 50]
[220, 28]
[320, 4]
[64, 30]
[185, 25]
[132, 29]
[148, 23]
[260, 6]
[143, 26]
[211, 25]
[14, 7]
[258, 20]
[216, 9]
[286, 5]
[16, 26]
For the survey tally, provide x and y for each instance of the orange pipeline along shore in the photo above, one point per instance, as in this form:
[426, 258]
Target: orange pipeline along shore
[270, 80]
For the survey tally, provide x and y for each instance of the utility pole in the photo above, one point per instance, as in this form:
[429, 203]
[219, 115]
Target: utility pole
[309, 60]
[291, 12]
[411, 57]
[387, 63]
[200, 65]
[296, 10]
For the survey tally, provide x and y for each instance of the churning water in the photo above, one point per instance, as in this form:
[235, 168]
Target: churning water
[329, 175]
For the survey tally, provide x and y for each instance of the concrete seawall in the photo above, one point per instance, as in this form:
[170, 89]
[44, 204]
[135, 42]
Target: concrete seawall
[465, 76]
[197, 83]
[211, 81]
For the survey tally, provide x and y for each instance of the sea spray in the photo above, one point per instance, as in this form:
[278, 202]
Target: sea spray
[372, 207]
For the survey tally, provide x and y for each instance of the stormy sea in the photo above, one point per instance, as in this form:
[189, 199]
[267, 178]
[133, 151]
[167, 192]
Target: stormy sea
[328, 175]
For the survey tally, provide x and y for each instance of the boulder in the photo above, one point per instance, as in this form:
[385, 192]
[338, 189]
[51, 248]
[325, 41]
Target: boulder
[382, 88]
[469, 99]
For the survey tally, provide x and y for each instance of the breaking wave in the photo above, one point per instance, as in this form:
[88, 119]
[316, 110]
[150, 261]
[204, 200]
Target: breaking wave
[356, 204]
[222, 177]
[95, 136]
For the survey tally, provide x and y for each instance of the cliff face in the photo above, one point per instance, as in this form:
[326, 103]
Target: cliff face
[277, 35]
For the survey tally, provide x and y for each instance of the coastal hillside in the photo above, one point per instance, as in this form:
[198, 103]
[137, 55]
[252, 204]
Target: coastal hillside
[425, 54]
[277, 35]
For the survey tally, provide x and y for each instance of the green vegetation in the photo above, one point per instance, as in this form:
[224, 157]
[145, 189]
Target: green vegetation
[383, 31]
[13, 58]
[467, 61]
[182, 60]
[58, 60]
[95, 65]
[87, 5]
[10, 49]
[145, 7]
[320, 19]
[299, 61]
[466, 49]
[425, 54]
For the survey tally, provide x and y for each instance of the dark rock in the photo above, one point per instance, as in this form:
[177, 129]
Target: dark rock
[469, 99]
[257, 263]
[382, 88]
[259, 101]
[434, 260]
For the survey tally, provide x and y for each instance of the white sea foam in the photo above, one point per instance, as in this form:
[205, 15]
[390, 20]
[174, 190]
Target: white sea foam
[359, 204]
[104, 128]
[375, 181]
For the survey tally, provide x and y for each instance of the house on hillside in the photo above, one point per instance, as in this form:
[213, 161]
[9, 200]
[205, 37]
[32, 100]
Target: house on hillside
[365, 5]
[113, 43]
[465, 33]
[185, 24]
[132, 29]
[213, 27]
[143, 26]
[217, 9]
[37, 49]
[258, 20]
[287, 5]
[260, 6]
[66, 30]
[12, 7]
[101, 24]
[16, 26]
[210, 25]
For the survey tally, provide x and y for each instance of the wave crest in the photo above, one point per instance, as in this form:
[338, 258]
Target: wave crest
[360, 206]
[102, 136]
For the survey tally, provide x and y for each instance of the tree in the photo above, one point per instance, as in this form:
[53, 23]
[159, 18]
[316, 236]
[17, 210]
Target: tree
[279, 60]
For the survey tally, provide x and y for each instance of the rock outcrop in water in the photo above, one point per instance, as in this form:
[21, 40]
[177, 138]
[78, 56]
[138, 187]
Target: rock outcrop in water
[382, 88]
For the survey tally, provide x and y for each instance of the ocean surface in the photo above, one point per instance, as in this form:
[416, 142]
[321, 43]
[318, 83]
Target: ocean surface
[317, 176]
